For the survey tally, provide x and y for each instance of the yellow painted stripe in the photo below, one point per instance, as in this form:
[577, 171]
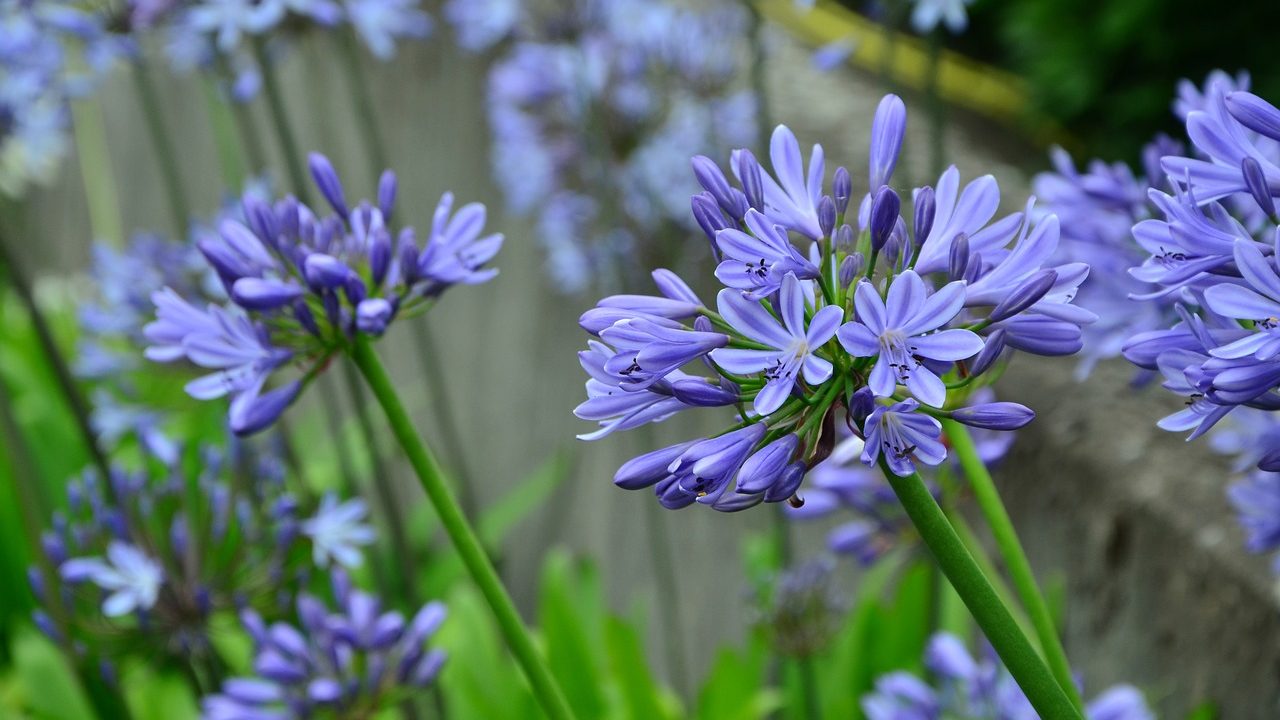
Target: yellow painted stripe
[963, 82]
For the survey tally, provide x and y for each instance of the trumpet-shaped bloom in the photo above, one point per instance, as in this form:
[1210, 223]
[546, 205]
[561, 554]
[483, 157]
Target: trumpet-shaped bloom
[899, 332]
[791, 345]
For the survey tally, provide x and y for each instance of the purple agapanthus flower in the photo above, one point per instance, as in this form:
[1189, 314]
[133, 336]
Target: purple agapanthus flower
[358, 659]
[148, 559]
[795, 275]
[791, 344]
[1256, 499]
[595, 109]
[979, 688]
[301, 286]
[899, 332]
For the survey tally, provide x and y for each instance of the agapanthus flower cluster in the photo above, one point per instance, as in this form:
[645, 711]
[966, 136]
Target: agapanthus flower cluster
[1212, 245]
[146, 558]
[50, 52]
[1098, 206]
[928, 15]
[843, 485]
[112, 321]
[883, 330]
[302, 286]
[352, 662]
[595, 108]
[979, 689]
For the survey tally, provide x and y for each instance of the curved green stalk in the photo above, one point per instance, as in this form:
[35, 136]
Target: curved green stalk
[1015, 559]
[162, 143]
[460, 532]
[79, 407]
[1015, 650]
[224, 135]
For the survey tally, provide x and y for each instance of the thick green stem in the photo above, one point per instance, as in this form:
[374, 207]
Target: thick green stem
[280, 118]
[1015, 650]
[1015, 559]
[460, 532]
[61, 371]
[163, 146]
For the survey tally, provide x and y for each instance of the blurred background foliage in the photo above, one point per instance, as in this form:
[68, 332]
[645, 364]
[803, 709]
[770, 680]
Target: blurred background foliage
[1105, 70]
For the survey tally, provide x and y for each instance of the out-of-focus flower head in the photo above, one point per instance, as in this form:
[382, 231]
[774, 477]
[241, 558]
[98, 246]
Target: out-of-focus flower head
[353, 661]
[301, 286]
[927, 15]
[595, 109]
[977, 688]
[50, 52]
[798, 609]
[145, 559]
[884, 330]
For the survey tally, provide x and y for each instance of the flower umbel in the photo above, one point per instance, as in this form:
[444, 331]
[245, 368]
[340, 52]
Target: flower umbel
[302, 286]
[884, 331]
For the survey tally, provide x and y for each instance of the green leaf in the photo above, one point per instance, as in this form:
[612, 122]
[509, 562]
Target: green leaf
[158, 696]
[49, 688]
[479, 680]
[735, 688]
[630, 669]
[571, 619]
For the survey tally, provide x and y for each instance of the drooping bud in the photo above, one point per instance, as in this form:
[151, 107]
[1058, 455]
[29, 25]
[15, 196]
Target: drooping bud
[1254, 113]
[787, 483]
[765, 466]
[994, 415]
[1025, 295]
[991, 350]
[712, 179]
[649, 468]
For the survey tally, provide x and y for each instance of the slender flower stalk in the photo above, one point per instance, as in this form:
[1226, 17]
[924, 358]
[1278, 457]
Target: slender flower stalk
[428, 355]
[1015, 558]
[246, 128]
[162, 143]
[1015, 650]
[461, 533]
[61, 370]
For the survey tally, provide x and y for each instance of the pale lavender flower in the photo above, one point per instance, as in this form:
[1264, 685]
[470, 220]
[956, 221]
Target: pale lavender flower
[792, 344]
[131, 578]
[927, 15]
[898, 332]
[338, 530]
[380, 23]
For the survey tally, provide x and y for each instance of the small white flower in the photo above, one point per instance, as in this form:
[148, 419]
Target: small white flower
[132, 578]
[337, 531]
[929, 13]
